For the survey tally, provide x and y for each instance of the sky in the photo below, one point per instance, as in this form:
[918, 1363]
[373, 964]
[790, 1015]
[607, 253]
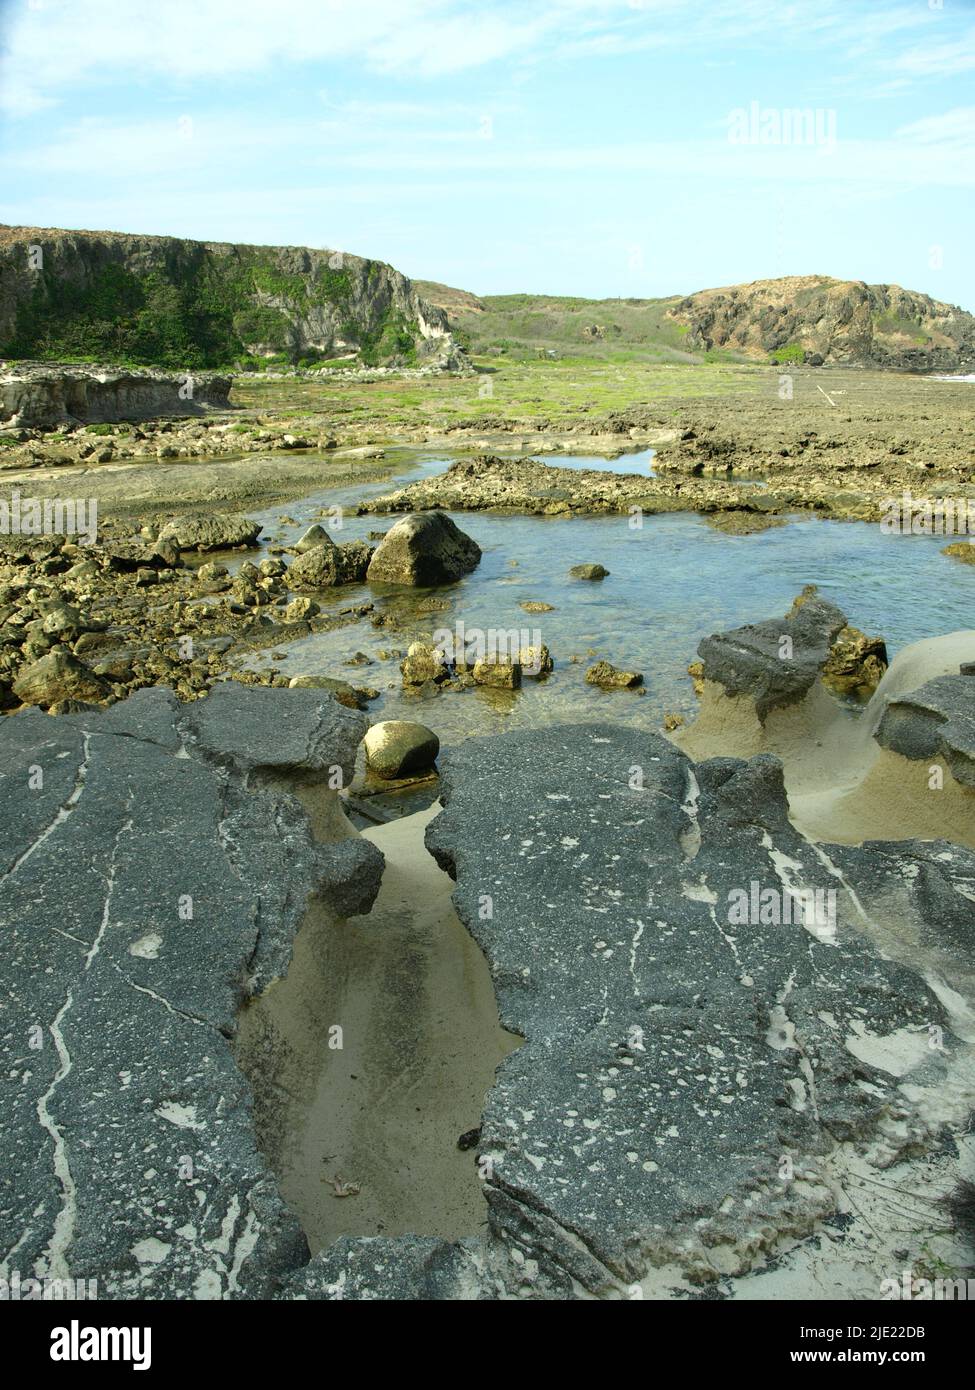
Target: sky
[582, 147]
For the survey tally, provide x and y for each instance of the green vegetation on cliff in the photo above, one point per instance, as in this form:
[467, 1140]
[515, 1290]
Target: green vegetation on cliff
[188, 305]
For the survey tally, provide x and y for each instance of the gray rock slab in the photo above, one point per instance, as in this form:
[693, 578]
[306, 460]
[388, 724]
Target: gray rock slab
[754, 660]
[147, 889]
[937, 720]
[673, 1059]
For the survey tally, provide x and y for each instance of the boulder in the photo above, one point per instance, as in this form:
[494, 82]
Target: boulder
[937, 720]
[425, 548]
[961, 550]
[326, 564]
[499, 675]
[59, 676]
[535, 661]
[210, 531]
[776, 662]
[422, 663]
[299, 610]
[611, 678]
[317, 568]
[314, 536]
[588, 572]
[855, 664]
[400, 748]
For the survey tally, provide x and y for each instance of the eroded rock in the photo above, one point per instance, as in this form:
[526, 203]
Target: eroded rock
[426, 548]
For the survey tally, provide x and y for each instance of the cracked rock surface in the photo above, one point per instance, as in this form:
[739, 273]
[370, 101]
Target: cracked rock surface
[674, 1060]
[150, 884]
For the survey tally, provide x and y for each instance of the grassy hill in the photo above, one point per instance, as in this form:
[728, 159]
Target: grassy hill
[793, 319]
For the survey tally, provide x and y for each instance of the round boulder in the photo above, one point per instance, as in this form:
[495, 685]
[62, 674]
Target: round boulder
[399, 748]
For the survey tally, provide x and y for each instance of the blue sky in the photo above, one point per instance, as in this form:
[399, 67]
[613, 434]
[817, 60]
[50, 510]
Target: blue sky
[583, 147]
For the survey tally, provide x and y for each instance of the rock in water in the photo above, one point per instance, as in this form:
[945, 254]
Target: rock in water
[343, 692]
[315, 535]
[316, 568]
[399, 748]
[425, 548]
[210, 531]
[500, 675]
[610, 678]
[326, 564]
[589, 572]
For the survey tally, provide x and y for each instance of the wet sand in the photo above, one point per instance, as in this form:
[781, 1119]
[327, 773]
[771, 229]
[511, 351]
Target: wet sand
[420, 1038]
[843, 786]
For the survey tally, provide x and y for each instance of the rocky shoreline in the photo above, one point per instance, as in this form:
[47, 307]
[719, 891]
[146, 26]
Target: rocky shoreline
[698, 1094]
[526, 486]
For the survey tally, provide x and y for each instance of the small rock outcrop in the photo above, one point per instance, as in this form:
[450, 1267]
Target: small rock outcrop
[59, 676]
[210, 531]
[817, 319]
[776, 662]
[937, 720]
[41, 396]
[424, 549]
[323, 564]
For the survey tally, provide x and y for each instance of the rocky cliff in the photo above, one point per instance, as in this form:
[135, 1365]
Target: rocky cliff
[163, 301]
[815, 318]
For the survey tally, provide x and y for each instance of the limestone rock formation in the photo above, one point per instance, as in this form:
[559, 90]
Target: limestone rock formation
[937, 720]
[210, 531]
[817, 319]
[426, 548]
[268, 301]
[32, 394]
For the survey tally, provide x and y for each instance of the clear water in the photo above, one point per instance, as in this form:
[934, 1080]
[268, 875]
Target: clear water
[639, 463]
[671, 583]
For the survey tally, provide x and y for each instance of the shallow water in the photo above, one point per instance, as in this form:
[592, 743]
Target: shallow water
[639, 463]
[671, 582]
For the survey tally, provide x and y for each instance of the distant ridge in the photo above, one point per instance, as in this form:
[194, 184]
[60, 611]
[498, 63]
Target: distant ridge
[797, 318]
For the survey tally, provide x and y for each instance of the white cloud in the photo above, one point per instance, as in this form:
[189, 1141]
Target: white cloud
[56, 45]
